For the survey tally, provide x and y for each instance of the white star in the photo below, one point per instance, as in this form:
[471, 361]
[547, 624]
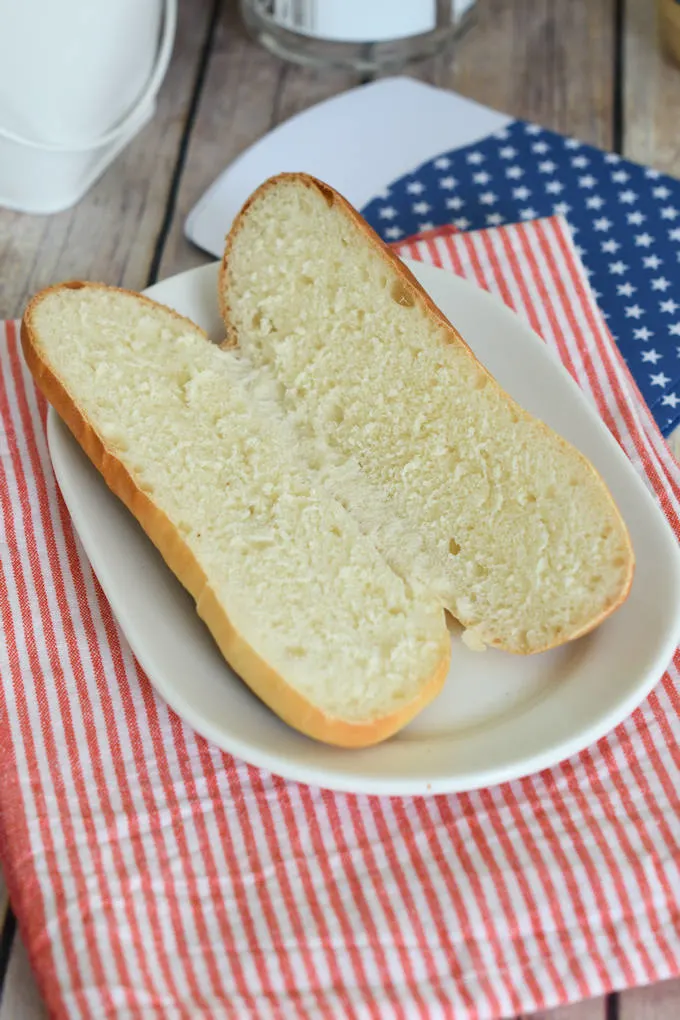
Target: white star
[674, 234]
[643, 240]
[628, 196]
[488, 198]
[674, 330]
[447, 182]
[652, 173]
[594, 202]
[521, 193]
[547, 166]
[587, 181]
[610, 245]
[514, 172]
[528, 214]
[659, 380]
[572, 143]
[580, 251]
[475, 157]
[554, 187]
[612, 157]
[669, 306]
[507, 152]
[661, 192]
[388, 212]
[617, 267]
[533, 129]
[393, 233]
[421, 207]
[633, 311]
[602, 224]
[651, 356]
[625, 289]
[636, 218]
[580, 161]
[651, 261]
[493, 219]
[660, 283]
[461, 223]
[670, 400]
[443, 163]
[427, 225]
[643, 333]
[415, 187]
[561, 208]
[502, 133]
[539, 147]
[669, 213]
[482, 177]
[620, 176]
[454, 203]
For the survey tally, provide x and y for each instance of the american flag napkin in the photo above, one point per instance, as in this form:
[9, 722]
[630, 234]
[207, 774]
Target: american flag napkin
[154, 876]
[625, 219]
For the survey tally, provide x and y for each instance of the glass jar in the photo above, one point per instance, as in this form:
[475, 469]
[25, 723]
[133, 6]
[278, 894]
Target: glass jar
[365, 36]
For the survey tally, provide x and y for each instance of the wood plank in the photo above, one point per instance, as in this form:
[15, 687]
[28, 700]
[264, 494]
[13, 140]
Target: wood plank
[21, 999]
[658, 1002]
[247, 91]
[651, 94]
[111, 234]
[550, 61]
[592, 1009]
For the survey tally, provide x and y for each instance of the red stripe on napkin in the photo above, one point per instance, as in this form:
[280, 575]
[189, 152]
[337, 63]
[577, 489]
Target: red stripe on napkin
[155, 876]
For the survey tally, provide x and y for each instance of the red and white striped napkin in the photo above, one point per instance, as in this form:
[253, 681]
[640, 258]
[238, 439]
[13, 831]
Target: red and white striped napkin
[154, 876]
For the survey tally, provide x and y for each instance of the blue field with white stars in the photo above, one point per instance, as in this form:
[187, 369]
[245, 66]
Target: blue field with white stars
[625, 219]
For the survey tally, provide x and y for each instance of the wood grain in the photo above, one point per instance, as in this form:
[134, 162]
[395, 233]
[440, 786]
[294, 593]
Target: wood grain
[21, 999]
[247, 92]
[651, 92]
[111, 234]
[658, 1002]
[550, 61]
[592, 1009]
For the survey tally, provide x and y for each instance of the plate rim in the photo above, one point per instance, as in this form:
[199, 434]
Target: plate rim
[349, 782]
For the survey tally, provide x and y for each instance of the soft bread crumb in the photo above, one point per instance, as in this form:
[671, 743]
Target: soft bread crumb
[473, 641]
[296, 578]
[458, 486]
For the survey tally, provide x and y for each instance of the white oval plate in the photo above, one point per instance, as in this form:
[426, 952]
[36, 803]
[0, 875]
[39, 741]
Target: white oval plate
[499, 716]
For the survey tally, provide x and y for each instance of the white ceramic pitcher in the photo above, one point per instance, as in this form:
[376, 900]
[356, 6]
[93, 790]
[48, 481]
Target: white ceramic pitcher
[78, 79]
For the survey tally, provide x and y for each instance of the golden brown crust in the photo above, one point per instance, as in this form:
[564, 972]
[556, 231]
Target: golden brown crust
[417, 293]
[265, 682]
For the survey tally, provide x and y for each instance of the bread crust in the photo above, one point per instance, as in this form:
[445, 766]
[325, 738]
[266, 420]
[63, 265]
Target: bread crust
[269, 686]
[418, 294]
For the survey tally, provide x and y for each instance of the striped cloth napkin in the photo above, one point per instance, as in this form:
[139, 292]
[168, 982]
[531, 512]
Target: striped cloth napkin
[154, 876]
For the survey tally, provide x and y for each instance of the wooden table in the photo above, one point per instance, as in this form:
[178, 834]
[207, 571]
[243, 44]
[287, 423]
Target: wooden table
[591, 68]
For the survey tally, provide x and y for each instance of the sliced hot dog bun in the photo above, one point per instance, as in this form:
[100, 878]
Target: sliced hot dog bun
[301, 604]
[500, 517]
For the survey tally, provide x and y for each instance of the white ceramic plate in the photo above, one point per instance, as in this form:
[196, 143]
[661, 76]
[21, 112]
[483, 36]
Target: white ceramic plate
[499, 716]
